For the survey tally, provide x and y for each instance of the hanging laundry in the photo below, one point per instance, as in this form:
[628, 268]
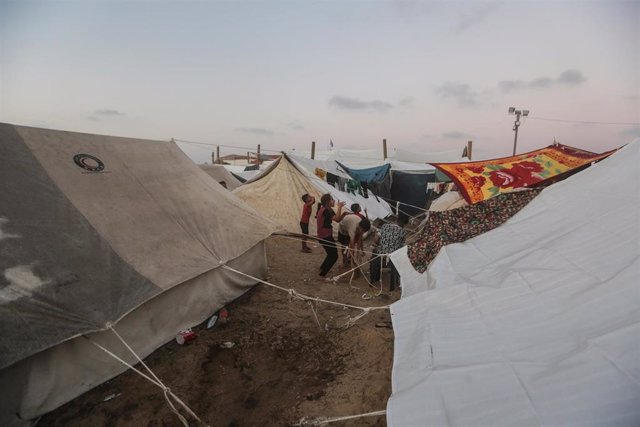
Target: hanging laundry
[332, 179]
[342, 183]
[320, 173]
[353, 186]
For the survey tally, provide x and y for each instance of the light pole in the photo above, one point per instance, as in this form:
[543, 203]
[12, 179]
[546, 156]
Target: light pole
[516, 124]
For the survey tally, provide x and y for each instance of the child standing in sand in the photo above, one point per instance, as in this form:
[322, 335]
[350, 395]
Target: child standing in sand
[325, 218]
[309, 201]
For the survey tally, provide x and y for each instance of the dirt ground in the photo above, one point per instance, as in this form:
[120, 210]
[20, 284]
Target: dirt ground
[284, 364]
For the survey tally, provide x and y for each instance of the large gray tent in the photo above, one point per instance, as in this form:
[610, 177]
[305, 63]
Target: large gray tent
[98, 231]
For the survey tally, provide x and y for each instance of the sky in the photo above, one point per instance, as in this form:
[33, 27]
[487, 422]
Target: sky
[425, 75]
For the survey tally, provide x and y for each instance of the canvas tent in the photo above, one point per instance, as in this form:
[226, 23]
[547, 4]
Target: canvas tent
[277, 192]
[220, 173]
[98, 231]
[536, 322]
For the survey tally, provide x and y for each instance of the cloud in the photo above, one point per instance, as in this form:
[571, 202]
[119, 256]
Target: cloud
[541, 83]
[571, 77]
[407, 102]
[346, 103]
[568, 77]
[455, 134]
[461, 92]
[255, 131]
[632, 132]
[295, 125]
[508, 86]
[476, 15]
[109, 112]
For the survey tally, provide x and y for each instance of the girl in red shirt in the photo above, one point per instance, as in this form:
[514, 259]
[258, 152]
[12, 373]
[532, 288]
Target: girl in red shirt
[309, 201]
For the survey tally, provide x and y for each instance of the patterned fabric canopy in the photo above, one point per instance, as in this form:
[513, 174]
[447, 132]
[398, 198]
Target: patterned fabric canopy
[482, 180]
[458, 225]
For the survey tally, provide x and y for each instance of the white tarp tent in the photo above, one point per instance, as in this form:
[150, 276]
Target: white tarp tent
[98, 231]
[399, 159]
[220, 174]
[534, 323]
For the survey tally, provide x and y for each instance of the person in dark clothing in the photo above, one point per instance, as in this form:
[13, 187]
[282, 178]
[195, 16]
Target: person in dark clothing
[390, 238]
[325, 218]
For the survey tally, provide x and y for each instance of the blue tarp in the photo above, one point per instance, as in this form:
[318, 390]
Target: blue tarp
[375, 174]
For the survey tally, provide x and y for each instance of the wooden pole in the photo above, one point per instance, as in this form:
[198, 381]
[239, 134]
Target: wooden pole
[469, 148]
[248, 158]
[218, 154]
[384, 149]
[213, 157]
[313, 150]
[259, 161]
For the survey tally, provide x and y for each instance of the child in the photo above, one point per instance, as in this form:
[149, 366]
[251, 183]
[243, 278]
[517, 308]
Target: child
[304, 219]
[325, 218]
[355, 240]
[357, 210]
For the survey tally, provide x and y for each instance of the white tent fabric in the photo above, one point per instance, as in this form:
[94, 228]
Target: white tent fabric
[326, 165]
[220, 173]
[247, 175]
[536, 322]
[449, 156]
[400, 160]
[411, 167]
[98, 231]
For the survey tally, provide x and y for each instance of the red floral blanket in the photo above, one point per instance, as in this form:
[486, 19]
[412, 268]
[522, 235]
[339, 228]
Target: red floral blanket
[482, 180]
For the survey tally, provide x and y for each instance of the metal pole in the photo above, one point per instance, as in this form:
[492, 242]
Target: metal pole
[313, 150]
[516, 124]
[469, 148]
[384, 149]
[259, 161]
[218, 154]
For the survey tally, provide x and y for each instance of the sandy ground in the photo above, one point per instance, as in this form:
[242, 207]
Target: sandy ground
[284, 364]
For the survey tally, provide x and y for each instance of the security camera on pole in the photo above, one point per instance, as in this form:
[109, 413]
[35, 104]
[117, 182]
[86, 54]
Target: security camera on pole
[516, 124]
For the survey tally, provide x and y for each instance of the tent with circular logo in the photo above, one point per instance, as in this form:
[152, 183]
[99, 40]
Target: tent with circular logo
[101, 232]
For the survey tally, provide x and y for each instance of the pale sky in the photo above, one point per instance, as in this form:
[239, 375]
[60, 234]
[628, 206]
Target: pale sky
[427, 76]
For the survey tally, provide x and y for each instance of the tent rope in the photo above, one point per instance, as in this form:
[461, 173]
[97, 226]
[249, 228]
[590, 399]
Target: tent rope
[168, 394]
[295, 294]
[402, 203]
[296, 237]
[320, 421]
[166, 390]
[314, 314]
